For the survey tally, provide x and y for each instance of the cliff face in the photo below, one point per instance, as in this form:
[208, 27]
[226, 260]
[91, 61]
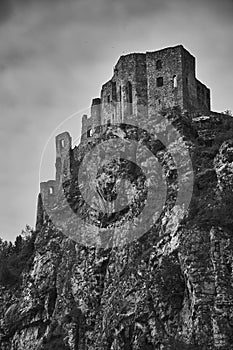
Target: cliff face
[169, 289]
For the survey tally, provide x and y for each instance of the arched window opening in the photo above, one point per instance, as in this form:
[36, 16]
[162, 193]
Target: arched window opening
[108, 122]
[62, 143]
[158, 64]
[89, 133]
[129, 98]
[174, 81]
[51, 190]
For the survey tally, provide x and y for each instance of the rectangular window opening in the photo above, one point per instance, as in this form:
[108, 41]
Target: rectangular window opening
[159, 81]
[158, 64]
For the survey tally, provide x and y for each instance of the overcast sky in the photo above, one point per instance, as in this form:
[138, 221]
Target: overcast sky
[56, 54]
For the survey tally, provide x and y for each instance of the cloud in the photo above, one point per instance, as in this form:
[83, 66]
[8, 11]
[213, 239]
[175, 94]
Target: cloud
[5, 10]
[96, 9]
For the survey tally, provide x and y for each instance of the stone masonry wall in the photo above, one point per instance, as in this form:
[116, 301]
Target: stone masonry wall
[171, 65]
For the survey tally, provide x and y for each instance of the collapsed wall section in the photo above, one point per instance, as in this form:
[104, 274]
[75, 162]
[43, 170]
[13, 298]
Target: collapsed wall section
[196, 96]
[89, 124]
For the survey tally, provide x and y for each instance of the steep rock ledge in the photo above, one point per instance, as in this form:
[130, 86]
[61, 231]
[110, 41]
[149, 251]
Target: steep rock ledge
[170, 289]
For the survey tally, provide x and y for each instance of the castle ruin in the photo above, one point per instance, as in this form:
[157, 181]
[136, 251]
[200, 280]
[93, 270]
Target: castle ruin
[141, 83]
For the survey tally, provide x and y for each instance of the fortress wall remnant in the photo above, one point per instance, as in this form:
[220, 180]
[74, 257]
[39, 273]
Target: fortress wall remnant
[126, 91]
[48, 191]
[189, 81]
[63, 146]
[96, 112]
[196, 96]
[164, 79]
[108, 106]
[172, 81]
[203, 96]
[141, 93]
[125, 75]
[87, 124]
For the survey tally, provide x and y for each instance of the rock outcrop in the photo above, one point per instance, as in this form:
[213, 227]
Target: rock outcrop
[172, 288]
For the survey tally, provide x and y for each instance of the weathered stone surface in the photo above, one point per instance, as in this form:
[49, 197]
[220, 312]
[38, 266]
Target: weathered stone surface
[170, 289]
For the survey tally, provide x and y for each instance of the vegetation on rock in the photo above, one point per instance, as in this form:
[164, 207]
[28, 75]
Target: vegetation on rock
[16, 257]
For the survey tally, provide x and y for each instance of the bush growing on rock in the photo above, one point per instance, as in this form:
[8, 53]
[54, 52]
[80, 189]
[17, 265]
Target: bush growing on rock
[14, 258]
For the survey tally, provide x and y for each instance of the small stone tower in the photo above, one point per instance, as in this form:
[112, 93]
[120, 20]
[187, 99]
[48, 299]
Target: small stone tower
[50, 189]
[63, 146]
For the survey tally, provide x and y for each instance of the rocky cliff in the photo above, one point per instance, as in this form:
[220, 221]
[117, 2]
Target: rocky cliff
[169, 289]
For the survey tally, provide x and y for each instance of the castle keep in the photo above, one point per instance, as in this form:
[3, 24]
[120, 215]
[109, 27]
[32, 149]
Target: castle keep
[142, 84]
[153, 80]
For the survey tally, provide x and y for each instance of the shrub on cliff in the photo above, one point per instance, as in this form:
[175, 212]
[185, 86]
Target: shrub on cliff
[14, 258]
[7, 277]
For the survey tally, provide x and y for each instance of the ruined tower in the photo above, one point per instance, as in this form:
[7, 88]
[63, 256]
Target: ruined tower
[49, 189]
